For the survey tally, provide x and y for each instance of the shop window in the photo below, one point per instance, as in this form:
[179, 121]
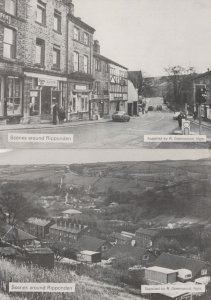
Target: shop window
[76, 61]
[41, 12]
[14, 94]
[9, 43]
[86, 38]
[10, 7]
[40, 52]
[76, 34]
[57, 21]
[85, 64]
[56, 57]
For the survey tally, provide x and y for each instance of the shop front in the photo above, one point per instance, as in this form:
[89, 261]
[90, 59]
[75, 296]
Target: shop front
[79, 101]
[42, 93]
[117, 104]
[11, 88]
[99, 108]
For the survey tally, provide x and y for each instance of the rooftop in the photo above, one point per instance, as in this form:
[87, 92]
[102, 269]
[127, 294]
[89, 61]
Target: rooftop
[176, 262]
[109, 60]
[87, 252]
[90, 243]
[71, 211]
[161, 270]
[79, 22]
[10, 233]
[68, 229]
[147, 231]
[37, 221]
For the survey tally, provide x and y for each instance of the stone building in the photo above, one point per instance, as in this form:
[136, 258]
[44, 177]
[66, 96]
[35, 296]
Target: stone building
[80, 79]
[45, 68]
[100, 95]
[203, 81]
[110, 92]
[67, 231]
[12, 30]
[46, 58]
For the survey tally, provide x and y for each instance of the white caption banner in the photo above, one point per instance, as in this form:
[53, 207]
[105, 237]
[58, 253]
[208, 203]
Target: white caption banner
[175, 138]
[40, 138]
[172, 288]
[46, 287]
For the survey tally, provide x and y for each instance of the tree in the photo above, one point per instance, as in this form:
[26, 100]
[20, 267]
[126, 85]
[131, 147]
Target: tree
[15, 207]
[179, 85]
[59, 249]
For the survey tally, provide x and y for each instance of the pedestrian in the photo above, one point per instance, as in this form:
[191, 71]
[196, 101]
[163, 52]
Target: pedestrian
[180, 117]
[195, 115]
[55, 114]
[61, 115]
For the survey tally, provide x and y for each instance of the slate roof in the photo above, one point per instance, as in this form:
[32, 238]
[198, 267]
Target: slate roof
[90, 243]
[68, 229]
[175, 262]
[149, 232]
[39, 222]
[9, 234]
[126, 250]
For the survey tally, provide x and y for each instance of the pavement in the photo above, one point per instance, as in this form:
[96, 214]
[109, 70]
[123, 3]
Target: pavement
[13, 127]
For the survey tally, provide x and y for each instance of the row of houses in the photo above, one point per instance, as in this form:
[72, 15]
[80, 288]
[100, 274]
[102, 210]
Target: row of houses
[49, 56]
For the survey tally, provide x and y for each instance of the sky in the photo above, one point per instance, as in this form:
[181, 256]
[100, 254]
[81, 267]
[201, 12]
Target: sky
[151, 35]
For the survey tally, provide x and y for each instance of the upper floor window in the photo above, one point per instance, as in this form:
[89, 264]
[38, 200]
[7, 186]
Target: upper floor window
[76, 61]
[10, 7]
[97, 65]
[40, 52]
[76, 33]
[56, 56]
[57, 21]
[97, 87]
[9, 43]
[85, 64]
[41, 12]
[86, 38]
[107, 68]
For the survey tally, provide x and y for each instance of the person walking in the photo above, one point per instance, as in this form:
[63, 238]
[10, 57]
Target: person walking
[180, 117]
[55, 114]
[61, 115]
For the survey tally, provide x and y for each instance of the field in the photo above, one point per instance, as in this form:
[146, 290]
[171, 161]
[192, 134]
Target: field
[86, 288]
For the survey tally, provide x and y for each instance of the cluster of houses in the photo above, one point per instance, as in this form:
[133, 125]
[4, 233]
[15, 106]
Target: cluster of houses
[74, 231]
[49, 56]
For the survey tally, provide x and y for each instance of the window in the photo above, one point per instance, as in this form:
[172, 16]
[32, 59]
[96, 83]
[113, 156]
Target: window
[107, 68]
[76, 33]
[9, 43]
[40, 52]
[86, 38]
[97, 87]
[41, 12]
[56, 57]
[10, 7]
[76, 61]
[97, 65]
[57, 21]
[14, 94]
[85, 64]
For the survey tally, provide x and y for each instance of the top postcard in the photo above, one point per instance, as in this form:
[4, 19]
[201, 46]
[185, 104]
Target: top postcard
[105, 74]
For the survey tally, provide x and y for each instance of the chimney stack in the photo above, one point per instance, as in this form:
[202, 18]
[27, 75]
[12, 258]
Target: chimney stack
[96, 46]
[70, 6]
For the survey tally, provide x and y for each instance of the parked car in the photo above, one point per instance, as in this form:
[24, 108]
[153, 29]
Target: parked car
[150, 108]
[175, 115]
[120, 116]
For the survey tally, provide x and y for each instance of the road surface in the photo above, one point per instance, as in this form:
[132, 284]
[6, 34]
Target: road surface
[110, 135]
[103, 135]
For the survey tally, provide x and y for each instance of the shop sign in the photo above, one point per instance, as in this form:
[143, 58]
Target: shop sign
[47, 82]
[118, 98]
[34, 94]
[80, 87]
[5, 18]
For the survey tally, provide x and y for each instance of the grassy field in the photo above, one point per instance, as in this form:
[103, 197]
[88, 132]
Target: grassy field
[86, 288]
